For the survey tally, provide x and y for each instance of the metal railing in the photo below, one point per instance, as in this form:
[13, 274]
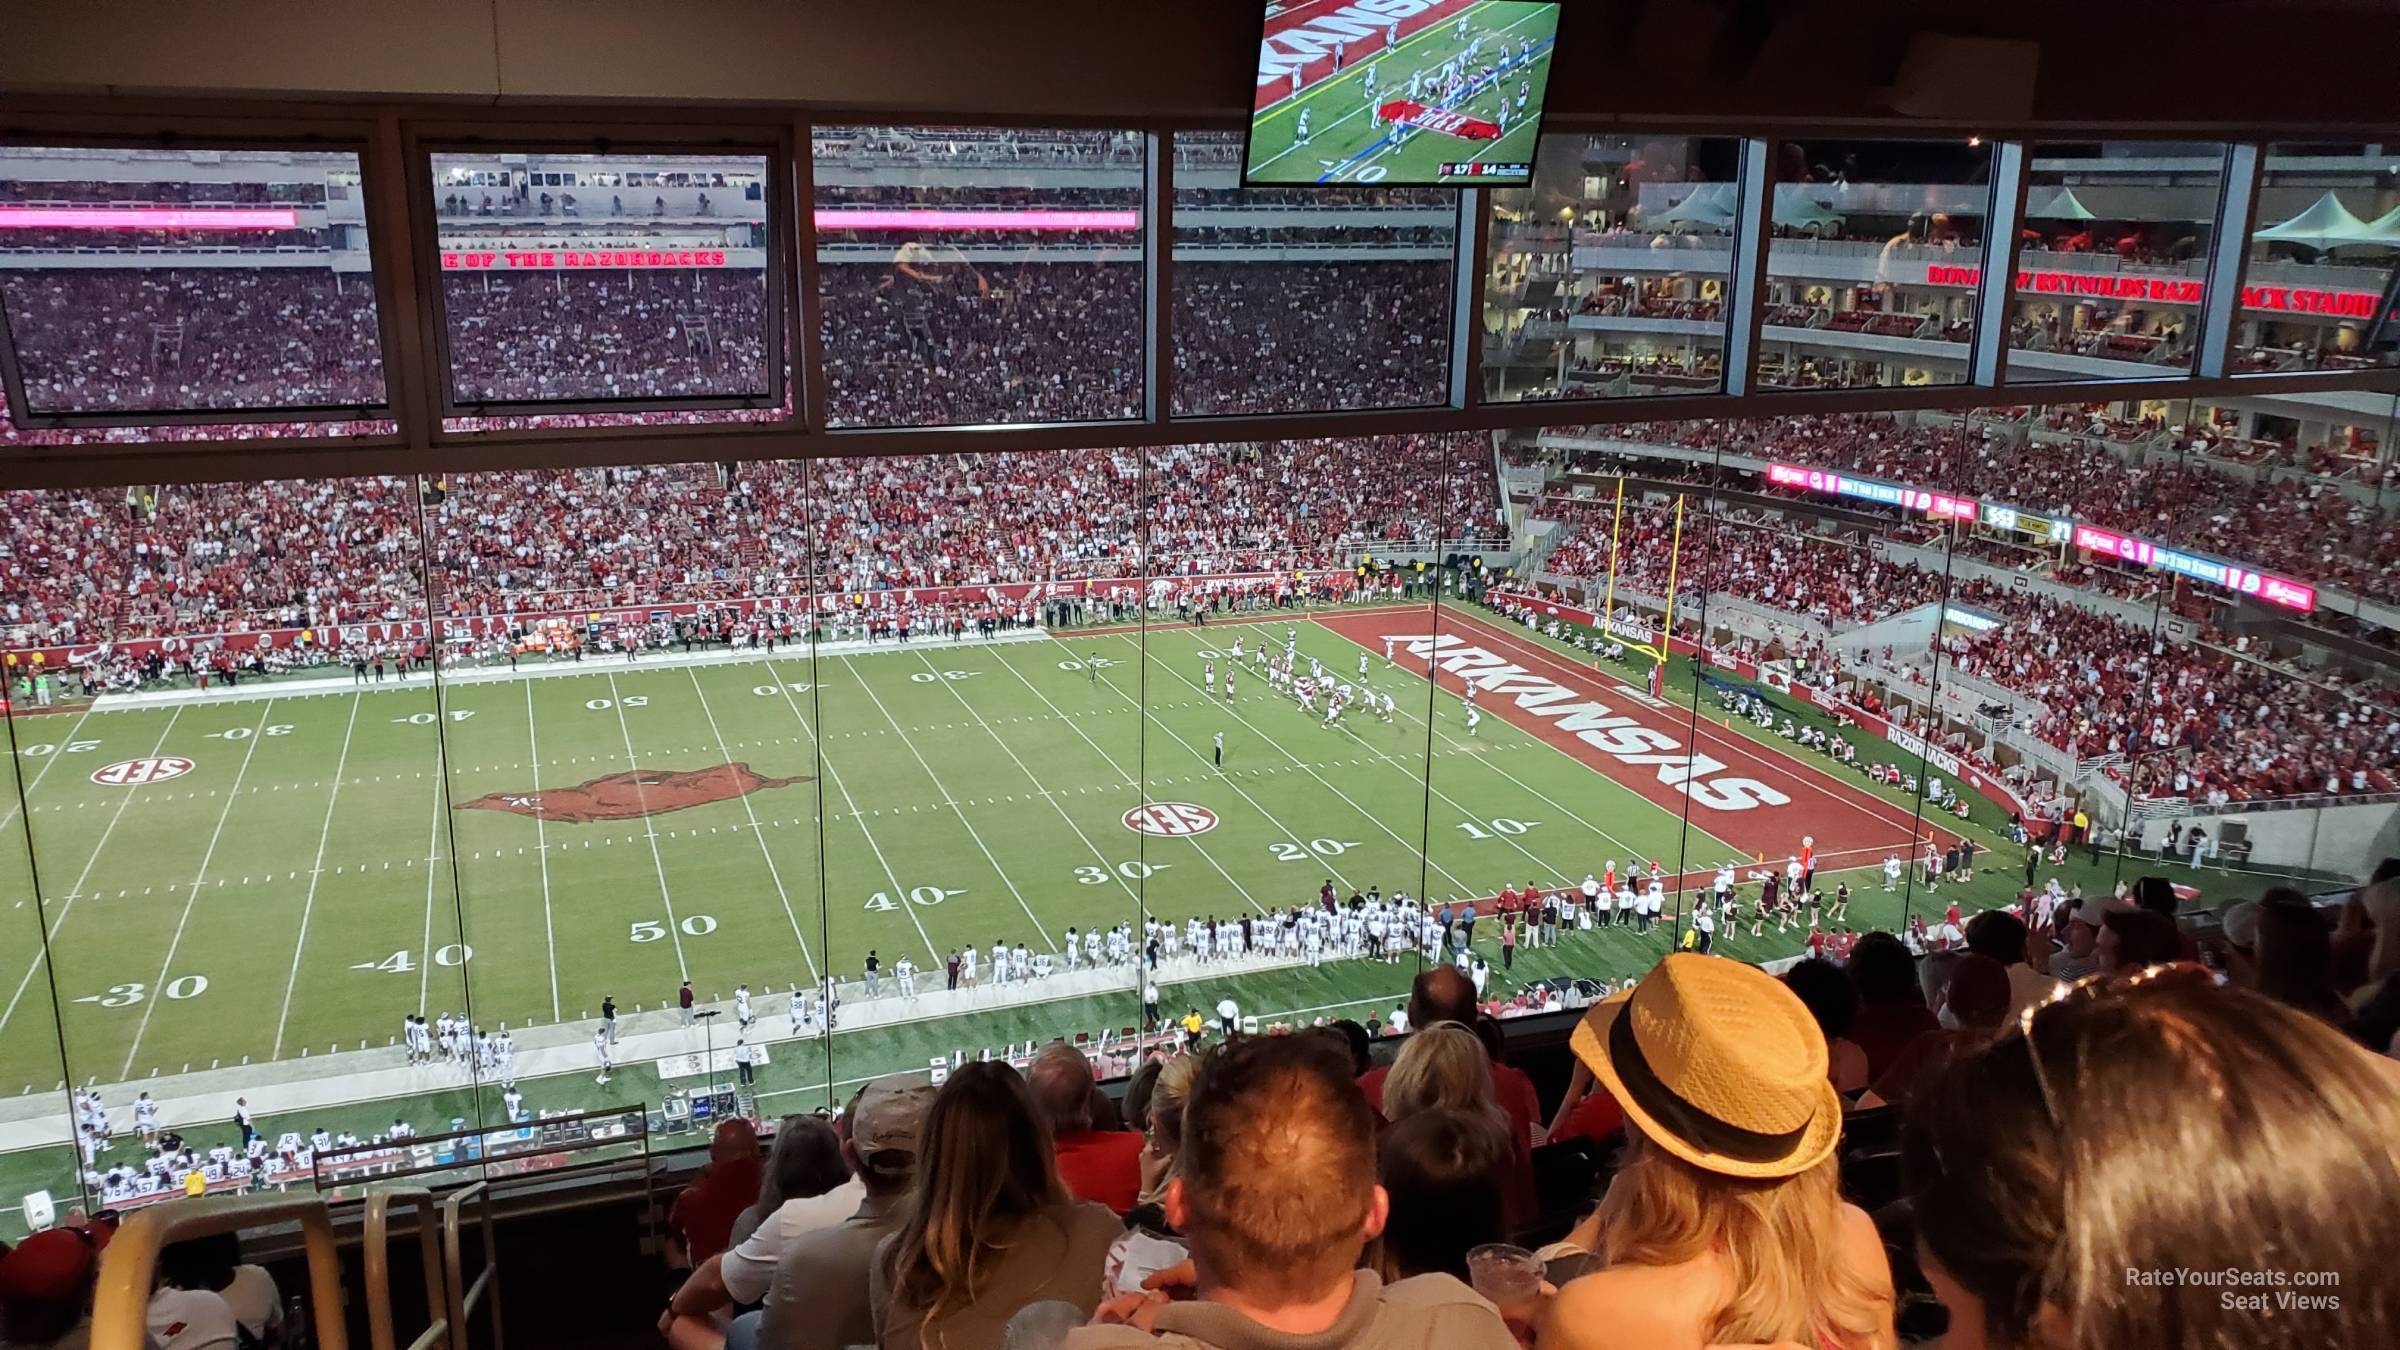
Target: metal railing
[129, 1268]
[380, 1335]
[465, 1297]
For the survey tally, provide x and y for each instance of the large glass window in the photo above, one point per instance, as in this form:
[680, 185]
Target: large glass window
[1607, 277]
[2321, 253]
[1306, 299]
[179, 281]
[978, 276]
[1870, 271]
[2114, 257]
[606, 277]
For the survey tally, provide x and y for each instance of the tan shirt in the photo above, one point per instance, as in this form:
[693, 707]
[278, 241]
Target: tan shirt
[1056, 1253]
[1426, 1312]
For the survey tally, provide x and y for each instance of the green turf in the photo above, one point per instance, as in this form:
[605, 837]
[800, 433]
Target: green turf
[969, 792]
[1345, 143]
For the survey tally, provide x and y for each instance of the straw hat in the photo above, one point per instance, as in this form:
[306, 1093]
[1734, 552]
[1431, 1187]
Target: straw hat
[1719, 1064]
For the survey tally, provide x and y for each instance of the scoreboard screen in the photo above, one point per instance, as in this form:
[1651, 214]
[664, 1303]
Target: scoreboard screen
[1403, 92]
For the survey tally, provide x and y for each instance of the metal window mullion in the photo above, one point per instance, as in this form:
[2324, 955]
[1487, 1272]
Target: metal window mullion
[1469, 243]
[1158, 276]
[1746, 290]
[808, 357]
[1995, 286]
[2228, 258]
[402, 244]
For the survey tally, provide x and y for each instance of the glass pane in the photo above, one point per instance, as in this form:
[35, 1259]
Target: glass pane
[239, 830]
[1306, 299]
[1869, 276]
[2321, 254]
[1607, 276]
[634, 797]
[979, 276]
[187, 280]
[32, 1072]
[595, 277]
[2114, 257]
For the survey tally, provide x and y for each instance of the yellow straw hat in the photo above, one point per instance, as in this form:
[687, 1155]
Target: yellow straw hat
[1719, 1064]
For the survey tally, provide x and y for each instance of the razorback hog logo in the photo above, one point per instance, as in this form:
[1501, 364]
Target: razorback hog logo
[634, 793]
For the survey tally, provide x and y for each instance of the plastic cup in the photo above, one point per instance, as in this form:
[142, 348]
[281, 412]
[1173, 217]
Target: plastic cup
[1511, 1277]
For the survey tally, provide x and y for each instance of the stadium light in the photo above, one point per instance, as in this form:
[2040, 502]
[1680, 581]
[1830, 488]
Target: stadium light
[1031, 221]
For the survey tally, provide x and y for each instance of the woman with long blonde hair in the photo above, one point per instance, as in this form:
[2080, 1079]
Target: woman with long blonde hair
[1442, 1068]
[1724, 1224]
[989, 1229]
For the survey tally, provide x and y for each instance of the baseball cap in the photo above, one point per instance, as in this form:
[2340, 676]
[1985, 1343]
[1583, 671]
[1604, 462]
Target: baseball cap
[890, 1115]
[2241, 925]
[55, 1265]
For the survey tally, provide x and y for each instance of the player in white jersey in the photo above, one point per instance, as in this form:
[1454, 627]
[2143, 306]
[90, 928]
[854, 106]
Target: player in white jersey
[1474, 719]
[600, 1051]
[1391, 707]
[742, 1015]
[1300, 137]
[999, 963]
[1362, 666]
[1462, 27]
[1237, 648]
[1091, 946]
[1891, 871]
[1229, 684]
[1500, 114]
[1073, 950]
[1020, 965]
[1470, 694]
[1316, 671]
[1208, 678]
[1416, 85]
[1041, 965]
[504, 1056]
[906, 971]
[966, 966]
[1524, 94]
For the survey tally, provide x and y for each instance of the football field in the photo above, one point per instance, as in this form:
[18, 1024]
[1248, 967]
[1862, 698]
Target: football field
[1347, 141]
[301, 864]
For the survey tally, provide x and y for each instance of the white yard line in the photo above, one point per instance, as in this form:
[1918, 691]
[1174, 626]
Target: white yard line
[433, 854]
[1210, 858]
[1562, 808]
[158, 986]
[757, 833]
[899, 892]
[1424, 858]
[1106, 864]
[41, 951]
[316, 873]
[666, 898]
[541, 840]
[956, 809]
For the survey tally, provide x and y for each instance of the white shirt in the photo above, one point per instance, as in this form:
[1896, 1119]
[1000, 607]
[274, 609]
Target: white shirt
[1227, 1011]
[189, 1319]
[749, 1268]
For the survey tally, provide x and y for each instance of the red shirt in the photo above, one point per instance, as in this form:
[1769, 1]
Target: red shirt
[1103, 1166]
[1508, 900]
[1597, 1116]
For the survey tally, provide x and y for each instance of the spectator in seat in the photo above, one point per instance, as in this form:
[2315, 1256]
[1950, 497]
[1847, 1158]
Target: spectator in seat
[703, 1215]
[1974, 1001]
[1828, 995]
[988, 1228]
[2295, 956]
[1891, 1005]
[1446, 994]
[818, 1297]
[2002, 936]
[2079, 938]
[1278, 1199]
[2376, 1019]
[1442, 1068]
[1724, 1224]
[46, 1287]
[214, 1265]
[1445, 1173]
[2119, 1129]
[808, 1187]
[2133, 938]
[1098, 1165]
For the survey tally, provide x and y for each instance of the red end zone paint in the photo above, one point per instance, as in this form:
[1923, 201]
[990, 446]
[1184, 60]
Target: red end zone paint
[1743, 793]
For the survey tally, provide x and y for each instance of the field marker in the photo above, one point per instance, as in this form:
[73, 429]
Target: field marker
[89, 863]
[763, 851]
[308, 905]
[972, 833]
[674, 926]
[149, 1006]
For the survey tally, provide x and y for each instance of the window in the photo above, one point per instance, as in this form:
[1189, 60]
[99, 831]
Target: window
[1607, 277]
[186, 281]
[2114, 258]
[1870, 272]
[2321, 254]
[562, 282]
[980, 276]
[1306, 299]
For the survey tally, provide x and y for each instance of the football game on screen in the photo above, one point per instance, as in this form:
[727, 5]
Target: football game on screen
[1400, 91]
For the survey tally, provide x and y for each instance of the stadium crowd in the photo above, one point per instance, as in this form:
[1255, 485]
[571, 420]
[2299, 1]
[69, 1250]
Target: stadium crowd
[2190, 719]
